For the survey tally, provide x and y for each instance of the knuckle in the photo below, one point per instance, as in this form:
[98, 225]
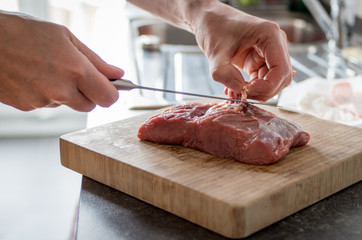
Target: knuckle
[41, 102]
[219, 75]
[274, 27]
[72, 69]
[76, 73]
[270, 29]
[64, 28]
[60, 96]
[285, 37]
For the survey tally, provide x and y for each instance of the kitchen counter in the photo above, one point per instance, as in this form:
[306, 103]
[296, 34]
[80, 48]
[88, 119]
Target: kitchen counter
[105, 213]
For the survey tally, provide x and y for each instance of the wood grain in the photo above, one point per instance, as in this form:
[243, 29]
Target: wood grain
[225, 196]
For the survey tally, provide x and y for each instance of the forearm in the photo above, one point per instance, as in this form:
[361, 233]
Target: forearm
[181, 13]
[232, 40]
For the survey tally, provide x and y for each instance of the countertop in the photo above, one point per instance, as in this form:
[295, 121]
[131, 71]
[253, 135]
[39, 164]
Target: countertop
[105, 213]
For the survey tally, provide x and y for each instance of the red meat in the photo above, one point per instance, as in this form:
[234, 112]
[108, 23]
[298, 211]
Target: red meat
[238, 131]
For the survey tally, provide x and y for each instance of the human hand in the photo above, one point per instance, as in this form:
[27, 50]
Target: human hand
[232, 39]
[44, 65]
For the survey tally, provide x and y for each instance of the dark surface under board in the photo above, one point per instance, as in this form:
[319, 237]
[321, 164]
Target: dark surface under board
[108, 214]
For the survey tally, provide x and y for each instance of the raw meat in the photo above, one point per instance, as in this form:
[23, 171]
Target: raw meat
[238, 131]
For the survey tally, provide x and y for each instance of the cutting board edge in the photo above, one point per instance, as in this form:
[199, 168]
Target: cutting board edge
[315, 179]
[244, 213]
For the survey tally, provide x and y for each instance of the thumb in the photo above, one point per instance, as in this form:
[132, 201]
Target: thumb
[223, 71]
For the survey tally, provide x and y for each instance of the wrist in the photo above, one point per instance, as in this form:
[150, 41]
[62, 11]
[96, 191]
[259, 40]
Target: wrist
[193, 11]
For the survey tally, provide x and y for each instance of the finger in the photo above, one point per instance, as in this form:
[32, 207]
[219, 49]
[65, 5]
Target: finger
[97, 87]
[227, 74]
[81, 103]
[278, 76]
[226, 91]
[249, 60]
[264, 89]
[67, 95]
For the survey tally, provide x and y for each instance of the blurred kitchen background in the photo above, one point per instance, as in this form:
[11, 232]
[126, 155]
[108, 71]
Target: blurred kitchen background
[39, 197]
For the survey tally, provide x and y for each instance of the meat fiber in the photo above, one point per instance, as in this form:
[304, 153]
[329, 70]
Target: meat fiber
[238, 131]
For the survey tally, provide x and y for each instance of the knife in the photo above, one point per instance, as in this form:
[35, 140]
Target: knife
[126, 85]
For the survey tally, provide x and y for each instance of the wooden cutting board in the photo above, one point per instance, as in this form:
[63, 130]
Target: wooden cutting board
[225, 196]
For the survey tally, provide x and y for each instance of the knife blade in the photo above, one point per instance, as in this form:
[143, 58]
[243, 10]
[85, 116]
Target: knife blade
[126, 85]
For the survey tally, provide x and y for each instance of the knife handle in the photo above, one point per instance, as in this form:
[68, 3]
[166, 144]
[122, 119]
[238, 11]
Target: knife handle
[123, 84]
